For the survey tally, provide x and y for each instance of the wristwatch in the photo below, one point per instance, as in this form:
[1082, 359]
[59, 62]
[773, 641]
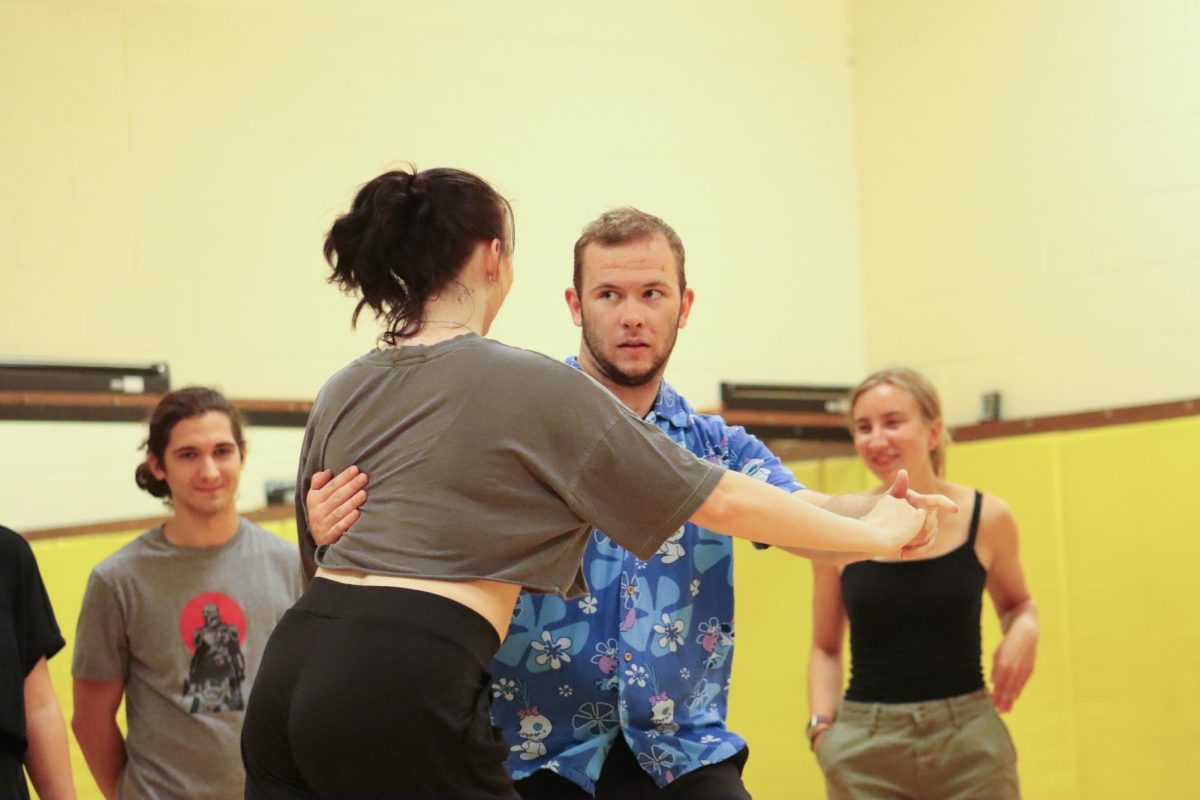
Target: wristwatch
[814, 721]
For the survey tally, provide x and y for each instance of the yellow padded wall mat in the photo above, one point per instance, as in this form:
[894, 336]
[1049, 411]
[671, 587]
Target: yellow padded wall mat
[1108, 541]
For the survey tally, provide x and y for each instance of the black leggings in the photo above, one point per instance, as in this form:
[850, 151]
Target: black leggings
[375, 692]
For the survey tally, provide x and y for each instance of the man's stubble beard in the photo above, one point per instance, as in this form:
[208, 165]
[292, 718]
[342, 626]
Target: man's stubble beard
[613, 372]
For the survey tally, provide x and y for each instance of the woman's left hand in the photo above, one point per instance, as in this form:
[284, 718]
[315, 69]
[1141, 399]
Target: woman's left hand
[1012, 664]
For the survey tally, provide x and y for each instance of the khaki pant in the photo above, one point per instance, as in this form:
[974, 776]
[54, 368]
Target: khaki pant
[952, 749]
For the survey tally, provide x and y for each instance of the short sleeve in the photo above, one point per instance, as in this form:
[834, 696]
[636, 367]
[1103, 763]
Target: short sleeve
[638, 486]
[36, 628]
[754, 459]
[101, 643]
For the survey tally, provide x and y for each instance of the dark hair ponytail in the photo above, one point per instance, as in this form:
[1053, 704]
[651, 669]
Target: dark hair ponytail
[187, 403]
[148, 483]
[407, 237]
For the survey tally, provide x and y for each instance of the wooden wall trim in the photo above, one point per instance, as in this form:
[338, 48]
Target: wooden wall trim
[120, 407]
[265, 514]
[795, 448]
[779, 421]
[1101, 418]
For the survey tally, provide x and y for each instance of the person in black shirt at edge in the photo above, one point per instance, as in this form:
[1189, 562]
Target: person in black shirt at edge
[917, 720]
[33, 734]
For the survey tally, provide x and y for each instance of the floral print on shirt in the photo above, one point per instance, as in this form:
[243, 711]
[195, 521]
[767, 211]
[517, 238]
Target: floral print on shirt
[647, 653]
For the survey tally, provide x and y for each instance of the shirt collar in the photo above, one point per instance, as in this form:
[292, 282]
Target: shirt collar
[668, 405]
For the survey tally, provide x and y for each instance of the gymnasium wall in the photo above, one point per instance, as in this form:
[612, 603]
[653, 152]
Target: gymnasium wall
[1029, 175]
[169, 168]
[1107, 542]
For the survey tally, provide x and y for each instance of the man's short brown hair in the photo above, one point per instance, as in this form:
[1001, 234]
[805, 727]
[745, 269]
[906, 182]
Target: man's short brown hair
[622, 226]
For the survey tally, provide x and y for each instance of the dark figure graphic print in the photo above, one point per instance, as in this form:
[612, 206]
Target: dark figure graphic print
[214, 628]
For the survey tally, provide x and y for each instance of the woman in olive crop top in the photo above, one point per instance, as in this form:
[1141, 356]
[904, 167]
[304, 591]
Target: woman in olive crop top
[916, 720]
[488, 465]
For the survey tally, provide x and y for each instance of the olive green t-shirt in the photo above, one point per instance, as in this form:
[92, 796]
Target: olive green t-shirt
[491, 462]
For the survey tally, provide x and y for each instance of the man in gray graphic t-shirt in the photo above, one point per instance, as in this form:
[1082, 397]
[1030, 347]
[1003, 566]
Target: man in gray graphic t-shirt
[176, 620]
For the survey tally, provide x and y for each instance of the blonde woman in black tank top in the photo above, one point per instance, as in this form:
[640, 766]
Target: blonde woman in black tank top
[917, 719]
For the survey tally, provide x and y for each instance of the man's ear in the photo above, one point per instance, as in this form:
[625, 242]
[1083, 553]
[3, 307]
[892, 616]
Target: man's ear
[155, 467]
[575, 305]
[685, 306]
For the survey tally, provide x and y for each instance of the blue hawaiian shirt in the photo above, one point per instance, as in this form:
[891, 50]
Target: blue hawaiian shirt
[648, 652]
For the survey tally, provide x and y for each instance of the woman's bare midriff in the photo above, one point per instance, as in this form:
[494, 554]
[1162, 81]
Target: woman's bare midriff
[492, 600]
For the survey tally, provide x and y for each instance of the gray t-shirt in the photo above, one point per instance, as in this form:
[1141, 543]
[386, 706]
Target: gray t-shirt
[184, 628]
[488, 461]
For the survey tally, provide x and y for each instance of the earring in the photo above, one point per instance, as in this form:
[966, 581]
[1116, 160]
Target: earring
[492, 280]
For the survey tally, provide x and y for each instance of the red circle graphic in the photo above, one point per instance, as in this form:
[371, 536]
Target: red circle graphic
[193, 617]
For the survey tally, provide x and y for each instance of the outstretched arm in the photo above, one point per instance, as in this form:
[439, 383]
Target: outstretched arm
[859, 504]
[47, 759]
[748, 509]
[738, 506]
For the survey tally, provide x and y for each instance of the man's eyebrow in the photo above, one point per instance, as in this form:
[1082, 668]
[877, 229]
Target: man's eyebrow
[185, 447]
[647, 284]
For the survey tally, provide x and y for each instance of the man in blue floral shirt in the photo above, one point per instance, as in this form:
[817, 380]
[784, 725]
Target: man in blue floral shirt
[622, 693]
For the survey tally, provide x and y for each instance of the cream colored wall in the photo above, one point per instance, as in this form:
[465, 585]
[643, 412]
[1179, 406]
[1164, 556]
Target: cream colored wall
[1029, 177]
[169, 168]
[66, 473]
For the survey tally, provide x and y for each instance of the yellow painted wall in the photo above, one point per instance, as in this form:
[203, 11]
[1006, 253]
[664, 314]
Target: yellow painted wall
[1108, 545]
[1108, 542]
[1029, 176]
[170, 166]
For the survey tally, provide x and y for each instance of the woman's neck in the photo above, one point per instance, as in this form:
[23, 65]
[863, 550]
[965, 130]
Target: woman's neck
[432, 333]
[448, 318]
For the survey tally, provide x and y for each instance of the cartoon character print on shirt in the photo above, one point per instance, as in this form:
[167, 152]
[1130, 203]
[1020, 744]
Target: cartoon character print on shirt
[532, 725]
[606, 660]
[535, 727]
[662, 707]
[213, 626]
[662, 713]
[716, 638]
[671, 550]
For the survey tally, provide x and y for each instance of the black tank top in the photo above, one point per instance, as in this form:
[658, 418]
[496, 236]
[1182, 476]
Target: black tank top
[915, 625]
